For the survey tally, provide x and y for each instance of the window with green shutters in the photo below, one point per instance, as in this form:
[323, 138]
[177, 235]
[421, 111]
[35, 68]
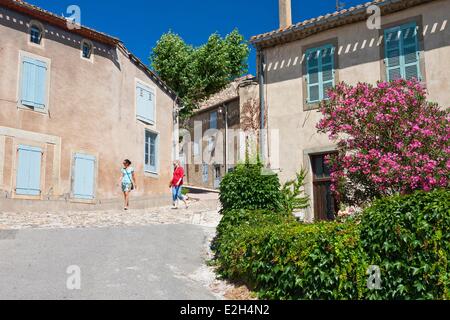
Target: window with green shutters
[33, 83]
[401, 46]
[320, 72]
[145, 103]
[151, 156]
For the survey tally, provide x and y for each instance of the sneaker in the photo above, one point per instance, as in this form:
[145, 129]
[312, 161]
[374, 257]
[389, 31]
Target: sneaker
[126, 208]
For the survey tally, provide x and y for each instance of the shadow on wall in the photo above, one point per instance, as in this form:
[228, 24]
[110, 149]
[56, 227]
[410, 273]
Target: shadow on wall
[360, 51]
[19, 22]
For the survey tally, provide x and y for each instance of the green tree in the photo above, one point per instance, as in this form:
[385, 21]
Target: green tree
[195, 73]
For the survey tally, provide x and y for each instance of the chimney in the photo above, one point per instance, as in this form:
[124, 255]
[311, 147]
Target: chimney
[285, 13]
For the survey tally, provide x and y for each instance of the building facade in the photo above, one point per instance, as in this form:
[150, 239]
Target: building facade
[74, 103]
[217, 136]
[299, 62]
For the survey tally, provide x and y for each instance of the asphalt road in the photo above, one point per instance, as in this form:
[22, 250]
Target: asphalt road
[152, 262]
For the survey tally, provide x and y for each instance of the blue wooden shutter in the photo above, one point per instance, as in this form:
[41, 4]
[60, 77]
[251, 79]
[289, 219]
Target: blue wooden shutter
[151, 152]
[410, 52]
[326, 70]
[312, 68]
[145, 104]
[29, 171]
[34, 83]
[84, 177]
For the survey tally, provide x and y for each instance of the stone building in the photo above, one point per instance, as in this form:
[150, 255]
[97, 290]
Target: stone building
[74, 103]
[217, 136]
[298, 62]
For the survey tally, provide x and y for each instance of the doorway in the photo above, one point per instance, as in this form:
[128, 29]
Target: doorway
[326, 205]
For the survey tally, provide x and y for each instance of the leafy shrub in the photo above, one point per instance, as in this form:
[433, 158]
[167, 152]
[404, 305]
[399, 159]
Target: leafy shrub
[292, 192]
[408, 237]
[390, 140]
[248, 188]
[282, 259]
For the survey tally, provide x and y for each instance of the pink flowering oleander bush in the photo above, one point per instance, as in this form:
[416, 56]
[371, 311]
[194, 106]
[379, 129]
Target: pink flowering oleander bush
[390, 140]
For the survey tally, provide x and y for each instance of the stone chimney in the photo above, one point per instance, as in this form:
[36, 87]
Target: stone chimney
[285, 13]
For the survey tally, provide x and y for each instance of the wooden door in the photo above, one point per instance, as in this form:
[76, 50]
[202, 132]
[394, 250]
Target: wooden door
[326, 205]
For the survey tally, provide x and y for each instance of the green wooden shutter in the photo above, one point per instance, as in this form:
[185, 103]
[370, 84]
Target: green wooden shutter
[402, 52]
[313, 79]
[327, 70]
[410, 52]
[320, 72]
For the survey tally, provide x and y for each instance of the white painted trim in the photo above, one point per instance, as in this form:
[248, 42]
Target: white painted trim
[23, 54]
[151, 88]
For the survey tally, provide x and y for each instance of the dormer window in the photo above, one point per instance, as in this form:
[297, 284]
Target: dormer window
[35, 34]
[86, 49]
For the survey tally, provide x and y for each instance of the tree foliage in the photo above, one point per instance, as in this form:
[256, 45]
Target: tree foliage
[195, 73]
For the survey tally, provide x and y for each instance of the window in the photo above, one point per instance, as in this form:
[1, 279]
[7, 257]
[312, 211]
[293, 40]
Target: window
[33, 83]
[205, 172]
[325, 204]
[35, 34]
[83, 186]
[145, 103]
[320, 72]
[29, 171]
[401, 48]
[86, 48]
[151, 152]
[213, 120]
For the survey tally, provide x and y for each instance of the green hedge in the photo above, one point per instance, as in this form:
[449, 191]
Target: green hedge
[282, 259]
[247, 188]
[408, 237]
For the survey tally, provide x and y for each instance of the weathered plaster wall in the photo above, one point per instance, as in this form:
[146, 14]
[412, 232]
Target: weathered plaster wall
[91, 110]
[359, 59]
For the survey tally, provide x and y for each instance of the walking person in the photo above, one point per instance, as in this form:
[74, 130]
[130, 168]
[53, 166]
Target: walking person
[177, 185]
[128, 182]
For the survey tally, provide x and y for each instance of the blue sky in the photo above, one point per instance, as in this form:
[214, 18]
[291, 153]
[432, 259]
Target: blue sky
[140, 23]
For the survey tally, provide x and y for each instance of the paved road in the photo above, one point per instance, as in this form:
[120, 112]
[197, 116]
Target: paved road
[148, 262]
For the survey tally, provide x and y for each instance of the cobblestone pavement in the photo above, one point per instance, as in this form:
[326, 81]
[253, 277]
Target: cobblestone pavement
[203, 213]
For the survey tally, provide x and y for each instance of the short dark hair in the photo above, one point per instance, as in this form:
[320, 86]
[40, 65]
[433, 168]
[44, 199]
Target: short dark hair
[128, 162]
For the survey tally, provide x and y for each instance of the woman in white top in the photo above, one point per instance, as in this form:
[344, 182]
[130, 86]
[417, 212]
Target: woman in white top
[128, 181]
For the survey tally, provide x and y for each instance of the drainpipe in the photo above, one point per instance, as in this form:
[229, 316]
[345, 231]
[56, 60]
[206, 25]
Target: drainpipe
[225, 106]
[262, 104]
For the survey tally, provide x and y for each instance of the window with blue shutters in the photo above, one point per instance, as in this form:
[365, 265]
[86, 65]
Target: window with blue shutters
[145, 103]
[33, 88]
[320, 72]
[151, 154]
[213, 120]
[83, 186]
[401, 47]
[28, 177]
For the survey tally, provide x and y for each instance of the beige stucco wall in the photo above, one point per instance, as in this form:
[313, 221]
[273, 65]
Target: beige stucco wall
[91, 110]
[359, 59]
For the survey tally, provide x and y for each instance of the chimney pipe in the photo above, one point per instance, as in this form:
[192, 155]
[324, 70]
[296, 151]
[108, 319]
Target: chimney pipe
[285, 13]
